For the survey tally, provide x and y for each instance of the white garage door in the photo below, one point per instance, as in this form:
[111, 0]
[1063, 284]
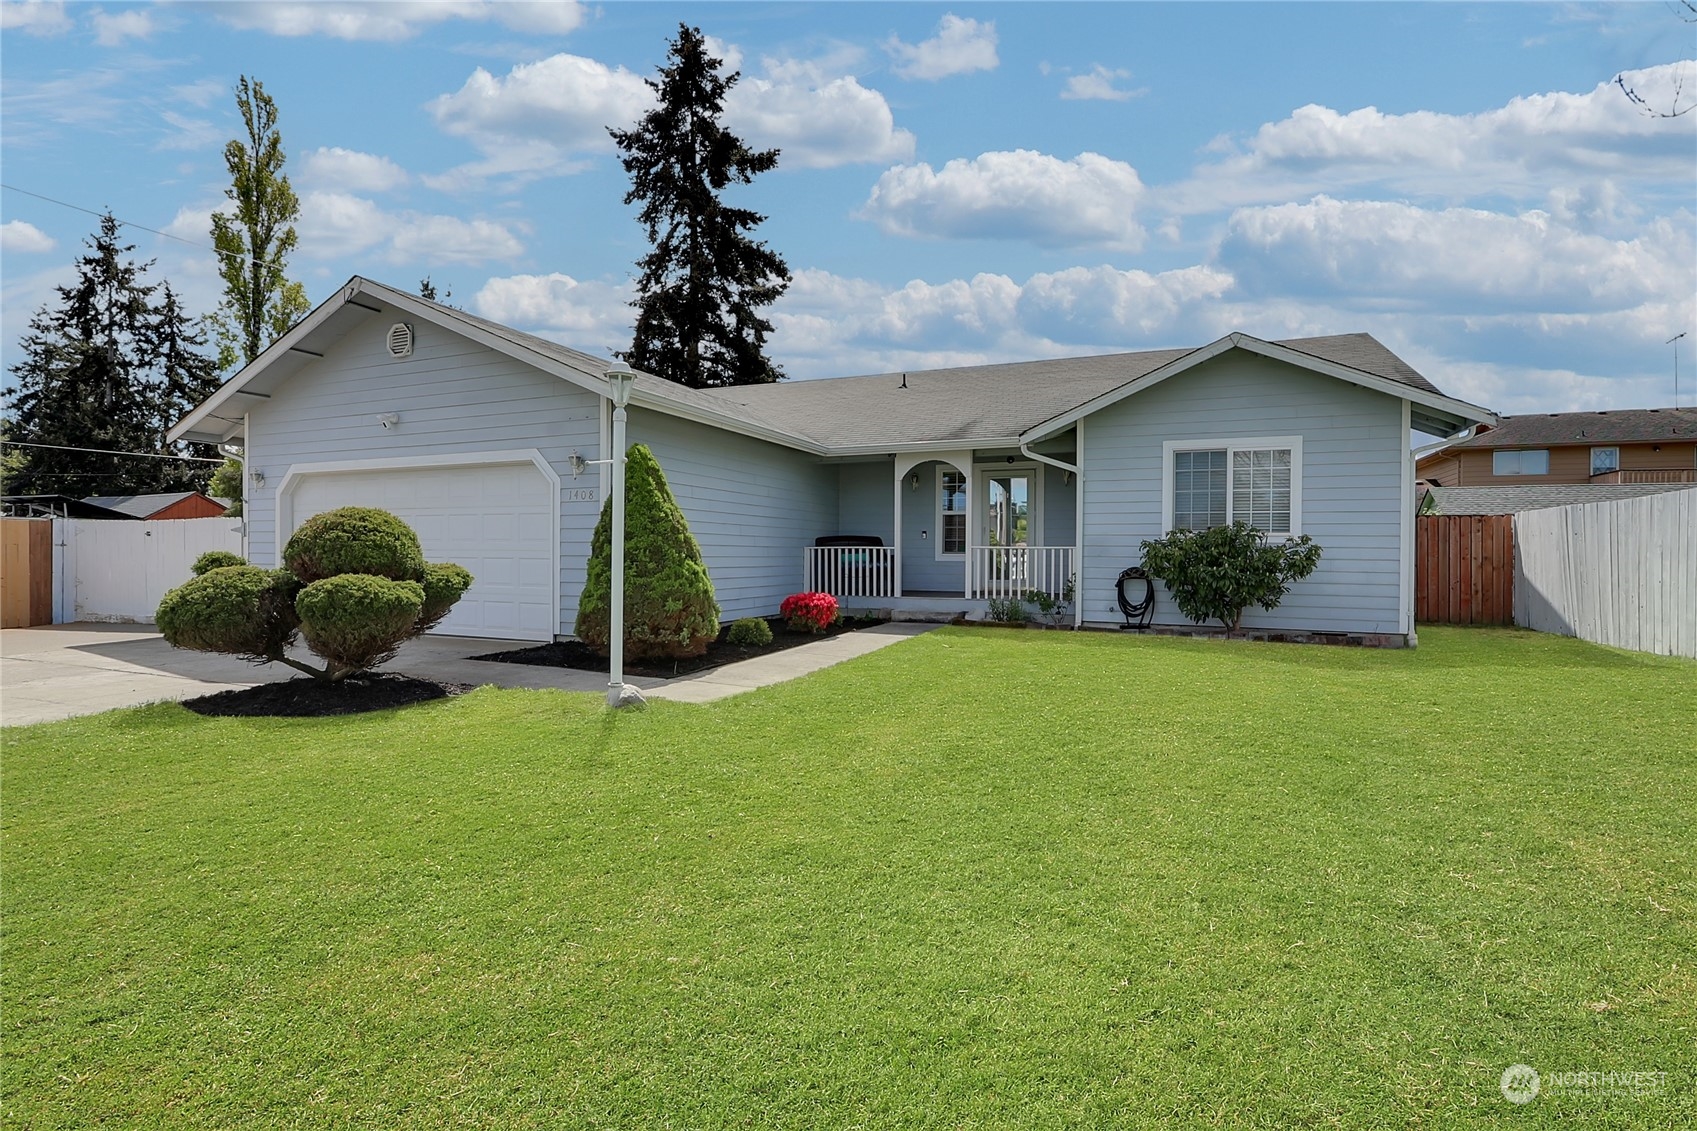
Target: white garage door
[497, 521]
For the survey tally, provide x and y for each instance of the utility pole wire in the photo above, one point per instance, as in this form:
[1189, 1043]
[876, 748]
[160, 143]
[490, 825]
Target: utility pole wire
[106, 452]
[141, 227]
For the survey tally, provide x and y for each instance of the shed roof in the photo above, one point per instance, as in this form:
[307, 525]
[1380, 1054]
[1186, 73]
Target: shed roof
[140, 506]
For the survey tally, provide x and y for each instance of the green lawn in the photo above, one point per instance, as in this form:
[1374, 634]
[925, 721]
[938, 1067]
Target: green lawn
[982, 879]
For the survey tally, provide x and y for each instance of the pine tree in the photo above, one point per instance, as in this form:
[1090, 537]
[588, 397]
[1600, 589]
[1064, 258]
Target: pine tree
[110, 367]
[706, 281]
[260, 302]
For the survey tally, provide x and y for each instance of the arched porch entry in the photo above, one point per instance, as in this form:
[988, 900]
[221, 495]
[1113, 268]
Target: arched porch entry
[934, 520]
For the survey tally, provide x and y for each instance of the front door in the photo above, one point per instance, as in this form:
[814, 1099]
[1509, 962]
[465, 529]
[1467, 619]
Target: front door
[1008, 506]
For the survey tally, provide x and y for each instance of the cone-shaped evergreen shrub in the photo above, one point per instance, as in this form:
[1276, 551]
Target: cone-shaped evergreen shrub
[670, 611]
[356, 587]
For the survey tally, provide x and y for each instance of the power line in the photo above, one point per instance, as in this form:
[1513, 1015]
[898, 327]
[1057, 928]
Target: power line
[107, 452]
[142, 227]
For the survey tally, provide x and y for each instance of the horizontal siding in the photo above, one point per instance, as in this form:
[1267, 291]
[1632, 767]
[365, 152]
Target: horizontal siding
[1353, 442]
[864, 500]
[453, 396]
[1572, 463]
[920, 567]
[751, 505]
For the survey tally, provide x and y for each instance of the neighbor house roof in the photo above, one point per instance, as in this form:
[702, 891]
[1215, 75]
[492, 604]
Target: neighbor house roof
[1610, 426]
[1512, 500]
[971, 405]
[140, 506]
[66, 506]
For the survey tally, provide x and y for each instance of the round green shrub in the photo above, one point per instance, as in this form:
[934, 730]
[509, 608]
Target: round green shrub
[354, 540]
[216, 559]
[444, 584]
[356, 621]
[670, 611]
[242, 610]
[749, 632]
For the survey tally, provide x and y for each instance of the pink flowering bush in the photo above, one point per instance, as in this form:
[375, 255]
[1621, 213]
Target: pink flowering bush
[810, 612]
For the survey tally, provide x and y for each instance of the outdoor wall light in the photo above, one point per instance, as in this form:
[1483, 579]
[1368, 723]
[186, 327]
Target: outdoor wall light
[257, 477]
[913, 482]
[389, 420]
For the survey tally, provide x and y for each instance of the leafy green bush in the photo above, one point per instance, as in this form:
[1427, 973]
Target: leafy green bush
[240, 610]
[354, 540]
[444, 584]
[1009, 611]
[358, 620]
[670, 611]
[216, 559]
[749, 632]
[378, 593]
[1219, 573]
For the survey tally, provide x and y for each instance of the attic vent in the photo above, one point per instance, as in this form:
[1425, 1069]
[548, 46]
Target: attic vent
[400, 340]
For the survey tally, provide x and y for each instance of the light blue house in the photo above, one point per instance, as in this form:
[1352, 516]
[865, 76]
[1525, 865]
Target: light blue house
[976, 483]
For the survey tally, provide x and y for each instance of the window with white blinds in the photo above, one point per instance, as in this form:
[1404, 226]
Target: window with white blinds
[1219, 482]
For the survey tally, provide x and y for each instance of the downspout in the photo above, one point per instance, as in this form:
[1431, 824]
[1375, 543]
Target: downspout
[1077, 471]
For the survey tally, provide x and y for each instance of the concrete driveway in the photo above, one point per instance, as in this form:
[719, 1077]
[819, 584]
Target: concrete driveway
[64, 670]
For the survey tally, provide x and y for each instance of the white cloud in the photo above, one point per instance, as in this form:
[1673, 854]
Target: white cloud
[817, 119]
[189, 133]
[960, 47]
[35, 17]
[201, 92]
[112, 29]
[336, 168]
[398, 19]
[1020, 194]
[1097, 85]
[1393, 255]
[595, 317]
[338, 224]
[1518, 149]
[537, 117]
[20, 237]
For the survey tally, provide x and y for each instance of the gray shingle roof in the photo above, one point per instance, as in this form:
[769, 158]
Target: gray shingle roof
[976, 403]
[1511, 500]
[1612, 426]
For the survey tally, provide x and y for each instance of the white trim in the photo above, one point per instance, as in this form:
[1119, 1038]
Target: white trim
[604, 468]
[1078, 589]
[1615, 448]
[1234, 444]
[937, 505]
[1405, 566]
[900, 478]
[1435, 401]
[284, 507]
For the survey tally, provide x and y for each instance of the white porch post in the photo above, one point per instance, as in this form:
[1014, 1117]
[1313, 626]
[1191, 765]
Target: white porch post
[620, 377]
[896, 510]
[971, 529]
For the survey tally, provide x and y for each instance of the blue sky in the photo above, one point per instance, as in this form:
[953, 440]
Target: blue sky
[959, 183]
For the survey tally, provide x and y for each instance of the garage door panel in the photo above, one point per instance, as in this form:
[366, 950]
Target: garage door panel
[495, 520]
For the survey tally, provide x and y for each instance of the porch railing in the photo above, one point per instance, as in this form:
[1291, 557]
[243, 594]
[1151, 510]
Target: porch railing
[1012, 571]
[852, 571]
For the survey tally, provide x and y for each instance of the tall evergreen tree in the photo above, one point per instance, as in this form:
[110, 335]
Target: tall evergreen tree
[705, 282]
[108, 366]
[260, 302]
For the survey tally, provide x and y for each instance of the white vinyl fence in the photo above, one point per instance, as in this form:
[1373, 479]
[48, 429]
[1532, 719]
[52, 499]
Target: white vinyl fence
[1621, 573]
[112, 570]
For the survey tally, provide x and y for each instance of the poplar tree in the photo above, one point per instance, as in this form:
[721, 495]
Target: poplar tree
[704, 284]
[260, 301]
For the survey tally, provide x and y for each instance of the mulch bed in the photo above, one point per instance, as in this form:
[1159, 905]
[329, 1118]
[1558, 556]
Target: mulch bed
[578, 655]
[307, 698]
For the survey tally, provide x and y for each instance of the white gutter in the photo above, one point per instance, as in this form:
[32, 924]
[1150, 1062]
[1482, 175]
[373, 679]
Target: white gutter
[1461, 437]
[1078, 517]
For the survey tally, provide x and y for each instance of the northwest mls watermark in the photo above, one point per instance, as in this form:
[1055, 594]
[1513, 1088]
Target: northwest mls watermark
[1521, 1084]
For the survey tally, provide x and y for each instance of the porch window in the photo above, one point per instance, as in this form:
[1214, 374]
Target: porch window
[951, 513]
[1253, 481]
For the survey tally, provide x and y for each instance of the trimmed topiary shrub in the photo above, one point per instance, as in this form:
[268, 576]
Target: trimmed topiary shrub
[358, 620]
[749, 632]
[239, 610]
[354, 540]
[1218, 573]
[378, 593]
[216, 559]
[670, 611]
[444, 584]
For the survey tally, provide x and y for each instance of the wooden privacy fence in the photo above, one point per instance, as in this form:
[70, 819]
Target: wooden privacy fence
[1621, 573]
[26, 572]
[1464, 569]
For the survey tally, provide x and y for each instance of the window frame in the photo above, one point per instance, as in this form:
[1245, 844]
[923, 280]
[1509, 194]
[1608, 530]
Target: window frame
[1498, 453]
[1615, 448]
[1232, 445]
[943, 470]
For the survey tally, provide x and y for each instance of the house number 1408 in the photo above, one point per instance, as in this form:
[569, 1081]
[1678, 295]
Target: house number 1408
[581, 494]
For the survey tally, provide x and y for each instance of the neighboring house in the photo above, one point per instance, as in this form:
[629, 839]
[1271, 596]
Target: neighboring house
[1633, 445]
[977, 481]
[1513, 500]
[170, 504]
[56, 506]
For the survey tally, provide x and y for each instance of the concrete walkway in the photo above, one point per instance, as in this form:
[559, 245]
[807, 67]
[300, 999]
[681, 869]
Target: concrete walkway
[61, 671]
